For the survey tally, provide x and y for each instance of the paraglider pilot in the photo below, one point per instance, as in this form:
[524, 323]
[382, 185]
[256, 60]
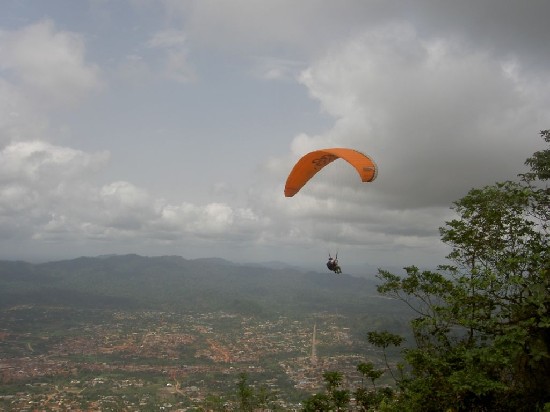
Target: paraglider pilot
[333, 265]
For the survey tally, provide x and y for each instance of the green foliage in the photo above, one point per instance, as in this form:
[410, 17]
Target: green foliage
[244, 393]
[367, 371]
[319, 402]
[483, 321]
[383, 340]
[539, 162]
[371, 399]
[335, 398]
[333, 380]
[252, 399]
[374, 400]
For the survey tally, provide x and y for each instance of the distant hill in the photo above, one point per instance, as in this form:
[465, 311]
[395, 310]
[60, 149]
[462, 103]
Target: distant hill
[177, 284]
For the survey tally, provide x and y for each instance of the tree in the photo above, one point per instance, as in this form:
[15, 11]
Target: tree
[483, 327]
[367, 371]
[339, 398]
[383, 340]
[245, 394]
[335, 399]
[319, 402]
[333, 380]
[369, 399]
[254, 399]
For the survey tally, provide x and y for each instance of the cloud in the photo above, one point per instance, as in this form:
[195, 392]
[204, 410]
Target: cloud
[18, 118]
[167, 39]
[38, 161]
[124, 206]
[48, 63]
[502, 27]
[439, 118]
[39, 180]
[277, 69]
[298, 29]
[175, 61]
[48, 190]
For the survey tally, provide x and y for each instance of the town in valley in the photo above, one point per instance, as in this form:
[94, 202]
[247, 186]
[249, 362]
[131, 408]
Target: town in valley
[58, 358]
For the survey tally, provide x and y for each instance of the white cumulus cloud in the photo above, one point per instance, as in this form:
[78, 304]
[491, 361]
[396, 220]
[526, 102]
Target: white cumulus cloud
[48, 63]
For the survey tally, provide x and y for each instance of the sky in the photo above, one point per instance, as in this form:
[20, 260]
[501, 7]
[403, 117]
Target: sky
[169, 127]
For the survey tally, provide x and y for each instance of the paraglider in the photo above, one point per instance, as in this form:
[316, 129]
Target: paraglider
[310, 164]
[333, 265]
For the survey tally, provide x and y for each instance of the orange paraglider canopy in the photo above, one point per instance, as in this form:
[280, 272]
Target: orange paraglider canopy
[314, 161]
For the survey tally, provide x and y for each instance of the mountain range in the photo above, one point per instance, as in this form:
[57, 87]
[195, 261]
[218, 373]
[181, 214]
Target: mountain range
[178, 284]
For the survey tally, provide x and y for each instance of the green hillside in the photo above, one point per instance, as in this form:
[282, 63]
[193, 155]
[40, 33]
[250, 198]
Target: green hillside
[175, 283]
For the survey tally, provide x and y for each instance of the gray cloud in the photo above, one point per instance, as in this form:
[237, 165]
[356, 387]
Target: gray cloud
[505, 27]
[438, 119]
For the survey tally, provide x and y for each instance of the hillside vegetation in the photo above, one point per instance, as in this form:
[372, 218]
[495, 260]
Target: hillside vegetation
[177, 284]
